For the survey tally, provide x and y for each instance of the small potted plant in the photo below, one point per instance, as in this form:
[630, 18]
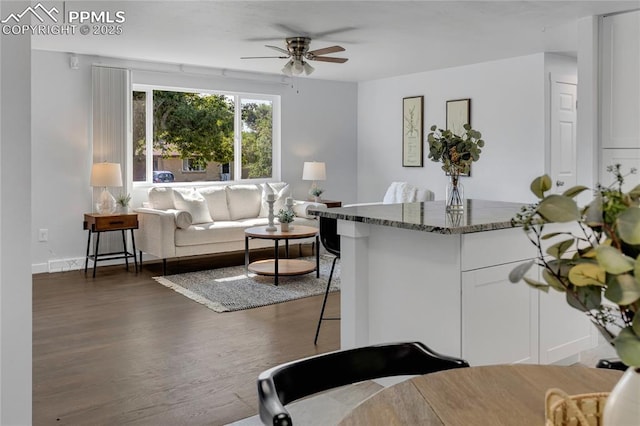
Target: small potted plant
[285, 217]
[316, 192]
[123, 201]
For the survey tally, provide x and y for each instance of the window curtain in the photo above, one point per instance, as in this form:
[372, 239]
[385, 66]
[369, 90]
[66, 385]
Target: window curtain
[111, 133]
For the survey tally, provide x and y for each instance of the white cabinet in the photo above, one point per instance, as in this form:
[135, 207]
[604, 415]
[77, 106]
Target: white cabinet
[499, 319]
[620, 80]
[505, 323]
[564, 331]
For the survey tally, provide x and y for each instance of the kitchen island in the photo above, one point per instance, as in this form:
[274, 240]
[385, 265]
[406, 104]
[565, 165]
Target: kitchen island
[413, 271]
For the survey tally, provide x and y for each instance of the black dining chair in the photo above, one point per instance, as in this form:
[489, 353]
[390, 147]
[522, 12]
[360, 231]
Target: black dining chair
[288, 382]
[331, 242]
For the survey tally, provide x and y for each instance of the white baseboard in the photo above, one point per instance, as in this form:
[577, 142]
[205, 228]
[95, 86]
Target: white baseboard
[70, 264]
[63, 265]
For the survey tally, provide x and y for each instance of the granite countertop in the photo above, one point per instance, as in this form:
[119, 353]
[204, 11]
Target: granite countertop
[431, 216]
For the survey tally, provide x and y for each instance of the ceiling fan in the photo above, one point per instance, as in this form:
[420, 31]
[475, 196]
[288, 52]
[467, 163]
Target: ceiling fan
[297, 51]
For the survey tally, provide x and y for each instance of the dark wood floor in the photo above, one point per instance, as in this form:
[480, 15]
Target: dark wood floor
[122, 349]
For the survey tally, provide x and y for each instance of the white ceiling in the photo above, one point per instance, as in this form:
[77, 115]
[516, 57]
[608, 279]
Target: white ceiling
[381, 38]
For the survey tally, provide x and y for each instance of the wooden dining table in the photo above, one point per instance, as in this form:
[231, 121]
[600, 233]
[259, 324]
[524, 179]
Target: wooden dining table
[491, 395]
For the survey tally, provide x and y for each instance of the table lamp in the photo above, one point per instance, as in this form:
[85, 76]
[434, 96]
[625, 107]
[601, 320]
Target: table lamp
[105, 175]
[315, 171]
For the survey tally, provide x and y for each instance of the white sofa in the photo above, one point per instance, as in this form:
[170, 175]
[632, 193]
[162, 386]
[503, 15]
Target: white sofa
[177, 222]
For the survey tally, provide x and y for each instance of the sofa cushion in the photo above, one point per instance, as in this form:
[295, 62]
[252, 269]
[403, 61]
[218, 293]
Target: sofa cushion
[218, 232]
[216, 197]
[161, 198]
[280, 190]
[194, 203]
[243, 201]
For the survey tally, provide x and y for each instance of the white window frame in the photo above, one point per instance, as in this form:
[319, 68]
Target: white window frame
[237, 143]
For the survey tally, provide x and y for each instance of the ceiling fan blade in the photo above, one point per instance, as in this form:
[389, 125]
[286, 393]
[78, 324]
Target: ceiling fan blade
[328, 59]
[331, 32]
[264, 57]
[279, 49]
[324, 51]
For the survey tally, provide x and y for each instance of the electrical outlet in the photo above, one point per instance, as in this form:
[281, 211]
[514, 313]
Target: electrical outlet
[43, 235]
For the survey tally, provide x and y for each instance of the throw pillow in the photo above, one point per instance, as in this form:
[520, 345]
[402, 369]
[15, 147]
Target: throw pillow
[243, 201]
[281, 195]
[216, 197]
[161, 198]
[183, 218]
[194, 203]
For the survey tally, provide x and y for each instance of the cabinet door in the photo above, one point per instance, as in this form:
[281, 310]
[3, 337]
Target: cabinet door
[499, 319]
[621, 80]
[564, 331]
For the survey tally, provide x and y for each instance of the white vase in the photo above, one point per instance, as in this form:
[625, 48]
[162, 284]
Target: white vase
[623, 404]
[284, 227]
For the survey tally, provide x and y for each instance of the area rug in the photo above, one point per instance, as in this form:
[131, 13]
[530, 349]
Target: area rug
[229, 289]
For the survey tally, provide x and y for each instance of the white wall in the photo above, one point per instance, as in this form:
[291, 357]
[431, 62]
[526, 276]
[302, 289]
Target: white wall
[507, 106]
[318, 123]
[15, 208]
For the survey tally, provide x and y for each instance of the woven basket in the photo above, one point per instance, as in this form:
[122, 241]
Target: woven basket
[562, 409]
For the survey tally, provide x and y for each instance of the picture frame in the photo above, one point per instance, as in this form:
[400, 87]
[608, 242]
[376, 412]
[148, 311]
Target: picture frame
[458, 114]
[412, 131]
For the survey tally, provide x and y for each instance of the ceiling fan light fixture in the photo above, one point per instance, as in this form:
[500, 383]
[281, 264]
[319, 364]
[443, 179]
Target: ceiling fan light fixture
[288, 68]
[297, 66]
[308, 69]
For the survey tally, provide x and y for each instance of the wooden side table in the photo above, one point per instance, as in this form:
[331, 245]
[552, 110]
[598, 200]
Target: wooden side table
[97, 223]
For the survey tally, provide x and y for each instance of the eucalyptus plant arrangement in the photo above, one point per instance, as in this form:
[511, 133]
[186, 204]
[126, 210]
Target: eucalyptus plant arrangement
[285, 216]
[455, 152]
[597, 262]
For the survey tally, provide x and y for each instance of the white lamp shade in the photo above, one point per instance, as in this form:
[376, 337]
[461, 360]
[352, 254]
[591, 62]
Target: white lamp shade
[106, 174]
[314, 170]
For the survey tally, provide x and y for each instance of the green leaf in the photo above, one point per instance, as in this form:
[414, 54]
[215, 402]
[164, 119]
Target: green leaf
[587, 274]
[558, 249]
[553, 234]
[622, 289]
[627, 346]
[593, 212]
[540, 185]
[558, 208]
[635, 192]
[629, 225]
[574, 191]
[585, 298]
[519, 271]
[536, 284]
[552, 280]
[636, 324]
[613, 261]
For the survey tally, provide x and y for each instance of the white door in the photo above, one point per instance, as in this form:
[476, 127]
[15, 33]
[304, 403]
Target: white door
[563, 132]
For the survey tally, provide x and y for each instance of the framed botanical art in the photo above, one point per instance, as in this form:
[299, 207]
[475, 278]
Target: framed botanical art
[412, 141]
[458, 114]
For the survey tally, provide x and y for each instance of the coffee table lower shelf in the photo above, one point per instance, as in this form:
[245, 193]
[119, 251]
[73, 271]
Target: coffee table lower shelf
[285, 267]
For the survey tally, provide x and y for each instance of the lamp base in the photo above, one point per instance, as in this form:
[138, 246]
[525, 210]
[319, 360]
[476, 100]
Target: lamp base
[106, 203]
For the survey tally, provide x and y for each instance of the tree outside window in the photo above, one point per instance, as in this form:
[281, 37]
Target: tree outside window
[196, 132]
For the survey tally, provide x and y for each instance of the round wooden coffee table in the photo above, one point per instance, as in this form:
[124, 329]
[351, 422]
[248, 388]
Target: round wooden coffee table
[277, 266]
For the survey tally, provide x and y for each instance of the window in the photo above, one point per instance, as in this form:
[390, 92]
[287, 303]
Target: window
[193, 165]
[203, 136]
